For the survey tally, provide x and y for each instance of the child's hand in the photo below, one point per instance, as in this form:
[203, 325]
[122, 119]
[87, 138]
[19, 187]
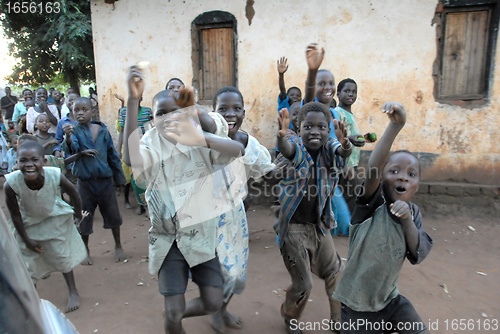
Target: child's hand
[282, 65]
[314, 57]
[119, 97]
[33, 245]
[181, 127]
[89, 152]
[284, 122]
[395, 111]
[135, 81]
[58, 154]
[67, 129]
[401, 209]
[357, 140]
[341, 133]
[185, 97]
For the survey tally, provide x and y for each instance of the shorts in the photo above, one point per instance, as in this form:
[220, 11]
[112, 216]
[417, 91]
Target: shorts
[174, 273]
[398, 316]
[98, 192]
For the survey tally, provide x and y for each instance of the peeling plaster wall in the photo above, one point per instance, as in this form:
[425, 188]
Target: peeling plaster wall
[388, 47]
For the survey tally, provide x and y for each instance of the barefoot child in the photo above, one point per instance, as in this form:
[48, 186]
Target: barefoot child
[306, 216]
[386, 228]
[95, 173]
[46, 232]
[232, 231]
[176, 159]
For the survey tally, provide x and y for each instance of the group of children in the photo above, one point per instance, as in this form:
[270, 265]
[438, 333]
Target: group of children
[194, 166]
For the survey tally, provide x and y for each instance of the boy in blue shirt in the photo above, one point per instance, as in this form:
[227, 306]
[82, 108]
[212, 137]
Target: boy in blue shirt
[95, 173]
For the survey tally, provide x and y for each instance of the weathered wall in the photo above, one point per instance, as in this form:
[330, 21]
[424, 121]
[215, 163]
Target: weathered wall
[388, 47]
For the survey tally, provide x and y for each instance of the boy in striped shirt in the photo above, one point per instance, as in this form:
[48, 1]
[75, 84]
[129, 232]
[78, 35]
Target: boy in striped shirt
[306, 215]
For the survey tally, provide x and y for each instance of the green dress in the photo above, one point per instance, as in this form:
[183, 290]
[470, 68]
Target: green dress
[49, 221]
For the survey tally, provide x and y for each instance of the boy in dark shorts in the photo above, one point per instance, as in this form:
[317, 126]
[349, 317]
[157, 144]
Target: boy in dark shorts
[386, 228]
[176, 158]
[95, 173]
[306, 216]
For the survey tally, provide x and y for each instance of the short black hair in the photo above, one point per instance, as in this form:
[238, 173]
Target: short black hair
[227, 89]
[407, 152]
[293, 87]
[162, 94]
[27, 90]
[26, 136]
[30, 144]
[172, 79]
[314, 107]
[344, 82]
[41, 88]
[84, 99]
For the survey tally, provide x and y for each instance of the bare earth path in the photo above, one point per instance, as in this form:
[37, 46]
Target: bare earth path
[459, 280]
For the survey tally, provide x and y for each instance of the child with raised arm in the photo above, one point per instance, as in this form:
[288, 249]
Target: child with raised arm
[46, 232]
[320, 87]
[306, 216]
[290, 96]
[386, 228]
[232, 231]
[176, 159]
[96, 174]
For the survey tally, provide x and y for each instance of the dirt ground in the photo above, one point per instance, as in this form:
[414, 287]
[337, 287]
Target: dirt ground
[459, 280]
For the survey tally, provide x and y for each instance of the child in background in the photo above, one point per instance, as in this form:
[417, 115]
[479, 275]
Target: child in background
[232, 231]
[95, 174]
[20, 107]
[292, 132]
[57, 102]
[48, 140]
[10, 132]
[174, 84]
[386, 228]
[306, 215]
[290, 96]
[143, 118]
[176, 159]
[40, 107]
[320, 86]
[45, 232]
[10, 159]
[68, 118]
[347, 93]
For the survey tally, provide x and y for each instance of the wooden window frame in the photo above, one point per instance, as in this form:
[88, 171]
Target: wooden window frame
[210, 20]
[457, 6]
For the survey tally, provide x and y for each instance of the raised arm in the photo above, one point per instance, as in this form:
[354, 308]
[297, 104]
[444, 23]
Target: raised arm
[314, 59]
[282, 67]
[135, 83]
[397, 119]
[285, 147]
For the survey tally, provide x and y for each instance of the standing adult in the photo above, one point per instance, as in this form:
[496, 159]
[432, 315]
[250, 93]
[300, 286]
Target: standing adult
[8, 102]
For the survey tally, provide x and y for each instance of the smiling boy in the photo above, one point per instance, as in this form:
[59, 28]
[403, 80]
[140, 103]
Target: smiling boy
[306, 215]
[95, 173]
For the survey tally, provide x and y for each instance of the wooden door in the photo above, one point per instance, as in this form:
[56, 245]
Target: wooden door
[217, 60]
[463, 72]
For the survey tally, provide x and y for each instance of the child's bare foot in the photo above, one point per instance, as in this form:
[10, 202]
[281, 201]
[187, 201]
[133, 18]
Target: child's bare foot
[127, 205]
[87, 261]
[232, 320]
[73, 302]
[140, 210]
[218, 323]
[119, 254]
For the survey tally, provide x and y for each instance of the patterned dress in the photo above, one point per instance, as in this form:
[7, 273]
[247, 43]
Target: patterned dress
[50, 222]
[232, 230]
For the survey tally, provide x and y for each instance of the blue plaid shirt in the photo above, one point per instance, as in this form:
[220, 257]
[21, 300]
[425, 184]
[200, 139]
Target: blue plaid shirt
[329, 165]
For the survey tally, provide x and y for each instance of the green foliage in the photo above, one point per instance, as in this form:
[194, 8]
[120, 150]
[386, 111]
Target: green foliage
[49, 45]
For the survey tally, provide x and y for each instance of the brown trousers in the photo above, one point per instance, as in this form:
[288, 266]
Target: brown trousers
[305, 251]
